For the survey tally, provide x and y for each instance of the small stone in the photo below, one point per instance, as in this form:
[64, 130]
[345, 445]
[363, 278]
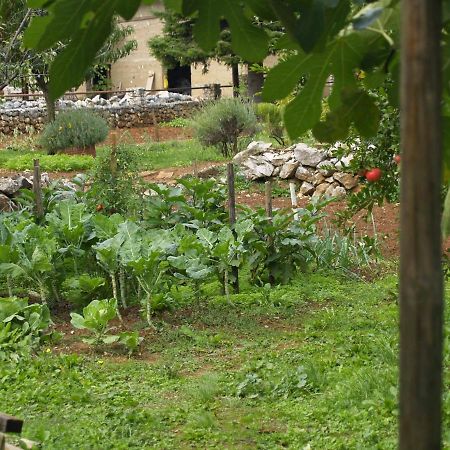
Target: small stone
[258, 168]
[306, 189]
[303, 174]
[317, 179]
[288, 169]
[276, 171]
[320, 190]
[308, 156]
[348, 180]
[282, 158]
[254, 148]
[8, 186]
[6, 205]
[339, 192]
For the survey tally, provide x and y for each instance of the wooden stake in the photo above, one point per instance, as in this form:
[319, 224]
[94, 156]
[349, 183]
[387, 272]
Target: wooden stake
[421, 285]
[269, 213]
[232, 213]
[293, 198]
[269, 209]
[37, 190]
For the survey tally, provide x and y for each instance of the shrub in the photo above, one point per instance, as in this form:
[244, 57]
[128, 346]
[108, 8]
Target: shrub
[79, 128]
[116, 185]
[272, 117]
[221, 125]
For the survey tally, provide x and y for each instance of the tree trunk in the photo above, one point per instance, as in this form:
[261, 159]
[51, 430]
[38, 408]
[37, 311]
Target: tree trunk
[235, 75]
[421, 286]
[49, 103]
[255, 81]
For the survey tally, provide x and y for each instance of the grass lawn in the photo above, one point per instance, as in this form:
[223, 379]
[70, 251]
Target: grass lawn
[312, 365]
[152, 156]
[159, 155]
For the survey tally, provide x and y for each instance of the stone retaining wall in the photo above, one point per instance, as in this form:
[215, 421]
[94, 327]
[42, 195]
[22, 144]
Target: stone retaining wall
[125, 112]
[315, 171]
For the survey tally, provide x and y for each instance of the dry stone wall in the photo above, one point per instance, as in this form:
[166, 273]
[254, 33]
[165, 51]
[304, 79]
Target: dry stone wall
[315, 170]
[127, 111]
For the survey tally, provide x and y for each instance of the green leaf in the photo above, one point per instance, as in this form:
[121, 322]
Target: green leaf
[110, 339]
[207, 26]
[207, 237]
[127, 9]
[70, 66]
[64, 16]
[77, 320]
[311, 24]
[174, 5]
[247, 40]
[358, 108]
[340, 58]
[284, 78]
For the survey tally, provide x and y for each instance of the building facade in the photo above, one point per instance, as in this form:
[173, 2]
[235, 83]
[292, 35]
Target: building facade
[142, 70]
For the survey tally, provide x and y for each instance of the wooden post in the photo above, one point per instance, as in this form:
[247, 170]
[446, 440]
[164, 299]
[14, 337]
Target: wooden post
[421, 285]
[269, 209]
[232, 213]
[269, 213]
[10, 424]
[293, 198]
[37, 190]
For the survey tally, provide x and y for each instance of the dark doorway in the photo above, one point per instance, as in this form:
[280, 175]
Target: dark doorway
[179, 80]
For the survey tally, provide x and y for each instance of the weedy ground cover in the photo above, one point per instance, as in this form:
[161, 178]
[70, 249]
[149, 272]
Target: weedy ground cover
[314, 365]
[152, 156]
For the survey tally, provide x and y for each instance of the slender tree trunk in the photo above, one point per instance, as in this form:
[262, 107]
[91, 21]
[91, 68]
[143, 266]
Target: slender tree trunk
[421, 286]
[236, 83]
[255, 81]
[49, 103]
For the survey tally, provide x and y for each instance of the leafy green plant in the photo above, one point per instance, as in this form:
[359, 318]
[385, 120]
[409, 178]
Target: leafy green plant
[272, 117]
[81, 290]
[116, 186]
[130, 340]
[344, 252]
[34, 262]
[279, 247]
[96, 317]
[80, 128]
[221, 125]
[22, 327]
[226, 249]
[178, 122]
[51, 163]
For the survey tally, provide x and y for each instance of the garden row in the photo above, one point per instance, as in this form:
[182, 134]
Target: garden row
[147, 250]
